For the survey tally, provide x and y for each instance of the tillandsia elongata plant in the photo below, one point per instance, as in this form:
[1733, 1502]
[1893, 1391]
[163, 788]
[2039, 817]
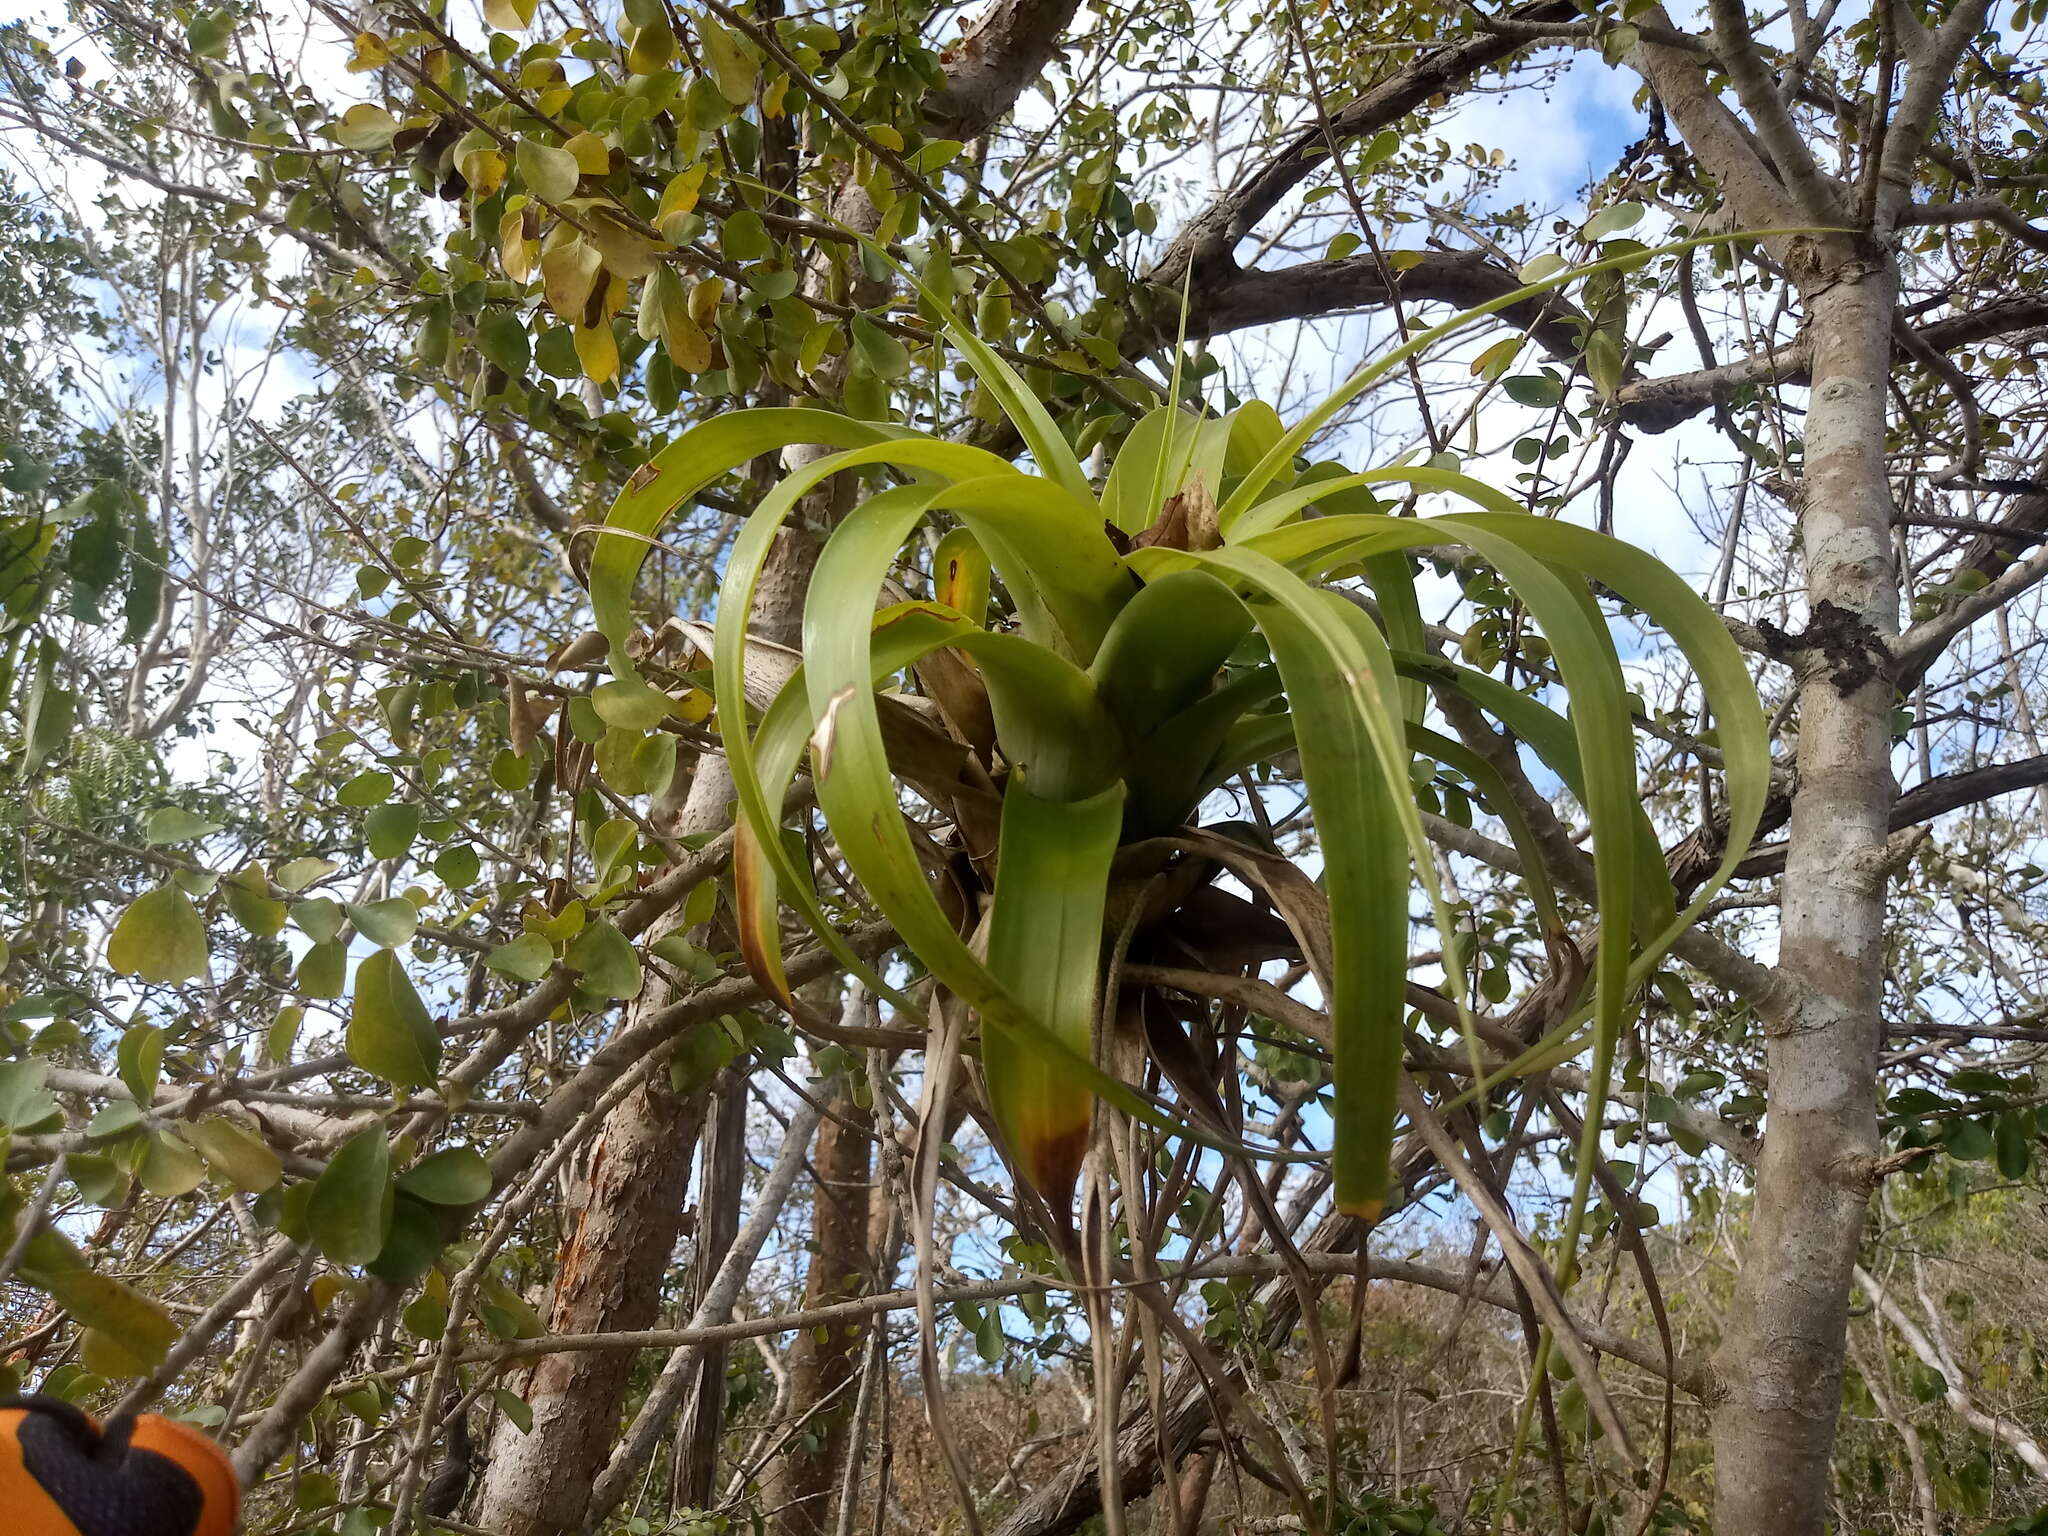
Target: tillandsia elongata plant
[1164, 632]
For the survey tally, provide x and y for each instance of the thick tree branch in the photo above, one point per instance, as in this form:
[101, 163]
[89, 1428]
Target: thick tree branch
[1658, 405]
[1235, 299]
[1210, 238]
[1932, 76]
[1987, 210]
[1917, 649]
[1924, 802]
[1723, 145]
[988, 69]
[1756, 87]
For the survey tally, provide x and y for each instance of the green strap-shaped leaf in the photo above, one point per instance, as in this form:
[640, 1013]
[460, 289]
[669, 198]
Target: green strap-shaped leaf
[1343, 693]
[848, 761]
[762, 767]
[1265, 736]
[1279, 459]
[1167, 449]
[1166, 647]
[1051, 553]
[1045, 946]
[1491, 790]
[1530, 553]
[1671, 603]
[1199, 749]
[1549, 735]
[701, 455]
[1591, 671]
[1277, 512]
[1132, 493]
[850, 768]
[1034, 694]
[1048, 716]
[1393, 587]
[1019, 403]
[960, 571]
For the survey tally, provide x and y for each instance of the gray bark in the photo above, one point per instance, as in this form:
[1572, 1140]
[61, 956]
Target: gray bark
[1781, 1362]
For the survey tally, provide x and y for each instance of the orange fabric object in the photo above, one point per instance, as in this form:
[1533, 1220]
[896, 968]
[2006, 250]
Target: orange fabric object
[62, 1474]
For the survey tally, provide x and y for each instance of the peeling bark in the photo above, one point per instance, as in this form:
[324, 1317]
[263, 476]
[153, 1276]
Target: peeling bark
[609, 1276]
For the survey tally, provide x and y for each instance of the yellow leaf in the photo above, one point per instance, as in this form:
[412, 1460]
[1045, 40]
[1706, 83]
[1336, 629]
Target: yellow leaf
[484, 170]
[626, 250]
[593, 155]
[704, 300]
[568, 270]
[326, 1287]
[886, 136]
[159, 938]
[371, 53]
[135, 1323]
[598, 350]
[733, 69]
[688, 347]
[509, 15]
[365, 126]
[660, 290]
[680, 195]
[1604, 364]
[102, 1354]
[517, 248]
[651, 49]
[1497, 359]
[772, 98]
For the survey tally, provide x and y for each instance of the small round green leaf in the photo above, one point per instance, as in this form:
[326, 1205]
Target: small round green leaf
[296, 875]
[323, 971]
[389, 923]
[458, 866]
[349, 1212]
[159, 938]
[526, 958]
[237, 1155]
[412, 1243]
[174, 824]
[605, 957]
[390, 829]
[389, 1031]
[456, 1176]
[370, 787]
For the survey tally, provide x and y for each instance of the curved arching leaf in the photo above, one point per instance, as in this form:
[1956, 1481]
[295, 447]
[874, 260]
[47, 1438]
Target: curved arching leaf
[665, 482]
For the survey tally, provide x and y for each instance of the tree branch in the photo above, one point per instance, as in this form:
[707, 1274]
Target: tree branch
[1658, 405]
[1208, 240]
[1237, 299]
[1924, 802]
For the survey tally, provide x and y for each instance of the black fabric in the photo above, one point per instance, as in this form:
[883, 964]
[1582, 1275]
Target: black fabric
[106, 1488]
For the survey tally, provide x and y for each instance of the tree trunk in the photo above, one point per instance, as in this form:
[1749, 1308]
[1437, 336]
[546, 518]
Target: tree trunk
[610, 1272]
[609, 1277]
[722, 1190]
[822, 1363]
[1781, 1363]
